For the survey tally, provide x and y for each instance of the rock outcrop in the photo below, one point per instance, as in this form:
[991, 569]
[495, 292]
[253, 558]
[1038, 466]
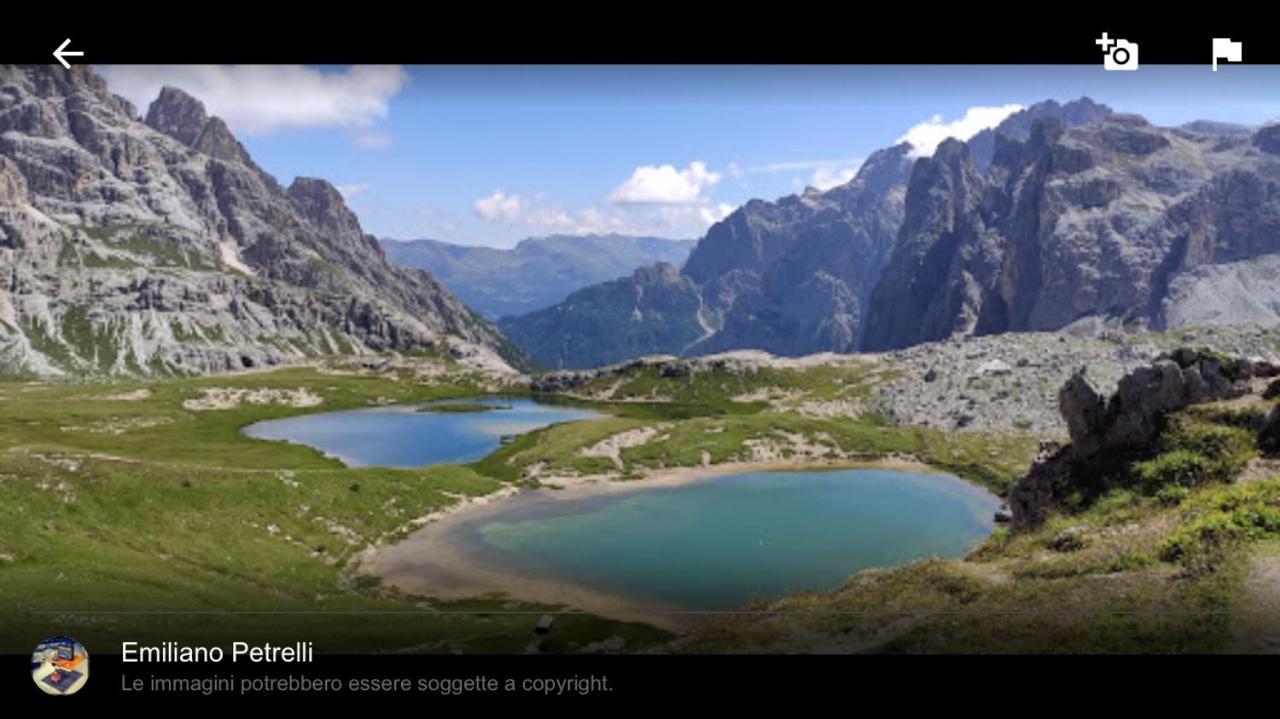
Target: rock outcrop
[132, 247]
[1128, 421]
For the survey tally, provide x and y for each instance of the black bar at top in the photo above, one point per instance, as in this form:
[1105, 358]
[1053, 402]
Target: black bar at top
[791, 33]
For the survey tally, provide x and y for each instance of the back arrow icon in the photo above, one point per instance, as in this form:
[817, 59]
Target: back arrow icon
[62, 53]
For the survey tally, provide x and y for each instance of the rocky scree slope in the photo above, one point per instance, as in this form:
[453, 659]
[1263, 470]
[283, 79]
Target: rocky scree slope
[1010, 382]
[158, 246]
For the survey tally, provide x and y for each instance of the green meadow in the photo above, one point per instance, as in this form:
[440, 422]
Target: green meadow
[140, 511]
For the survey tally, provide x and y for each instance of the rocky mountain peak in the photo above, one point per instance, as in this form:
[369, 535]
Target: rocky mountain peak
[1020, 125]
[1113, 218]
[321, 203]
[883, 170]
[1267, 139]
[1063, 211]
[157, 246]
[952, 153]
[183, 117]
[178, 115]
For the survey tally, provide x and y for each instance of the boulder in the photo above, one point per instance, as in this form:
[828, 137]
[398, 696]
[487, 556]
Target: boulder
[993, 368]
[1083, 408]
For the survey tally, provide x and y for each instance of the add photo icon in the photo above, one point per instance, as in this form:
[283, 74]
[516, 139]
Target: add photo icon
[60, 666]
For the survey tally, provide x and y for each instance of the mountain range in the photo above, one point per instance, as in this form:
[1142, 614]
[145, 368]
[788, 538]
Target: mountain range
[133, 245]
[538, 272]
[1062, 212]
[155, 245]
[1152, 227]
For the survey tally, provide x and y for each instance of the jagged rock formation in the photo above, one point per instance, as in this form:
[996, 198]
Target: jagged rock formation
[131, 247]
[1018, 126]
[1128, 421]
[792, 277]
[796, 276]
[944, 257]
[538, 272]
[1116, 218]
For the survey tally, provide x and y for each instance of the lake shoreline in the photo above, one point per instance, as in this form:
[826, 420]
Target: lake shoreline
[438, 561]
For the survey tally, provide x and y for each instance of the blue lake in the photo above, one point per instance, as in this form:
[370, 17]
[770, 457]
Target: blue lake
[404, 436]
[721, 542]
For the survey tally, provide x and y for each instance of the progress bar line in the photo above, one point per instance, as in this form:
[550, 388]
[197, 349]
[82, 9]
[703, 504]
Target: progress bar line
[535, 612]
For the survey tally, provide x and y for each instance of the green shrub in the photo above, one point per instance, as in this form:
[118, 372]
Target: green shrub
[1213, 440]
[1172, 495]
[1216, 521]
[1180, 468]
[1200, 544]
[1194, 452]
[1129, 561]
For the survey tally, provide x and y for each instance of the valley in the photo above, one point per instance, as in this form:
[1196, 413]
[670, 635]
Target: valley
[139, 495]
[1011, 392]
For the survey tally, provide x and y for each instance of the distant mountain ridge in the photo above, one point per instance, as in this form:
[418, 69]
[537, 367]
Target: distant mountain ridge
[538, 272]
[154, 247]
[655, 310]
[792, 277]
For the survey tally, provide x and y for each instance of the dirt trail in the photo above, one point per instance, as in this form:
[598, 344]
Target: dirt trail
[1258, 628]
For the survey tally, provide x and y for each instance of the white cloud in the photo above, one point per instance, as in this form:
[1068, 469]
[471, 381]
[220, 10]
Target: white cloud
[825, 178]
[665, 185]
[534, 215]
[827, 173]
[500, 207]
[263, 98]
[926, 136]
[711, 214]
[537, 216]
[656, 200]
[351, 190]
[792, 165]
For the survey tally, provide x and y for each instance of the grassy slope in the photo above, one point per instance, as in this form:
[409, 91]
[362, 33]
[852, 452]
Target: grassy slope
[114, 504]
[699, 414]
[182, 511]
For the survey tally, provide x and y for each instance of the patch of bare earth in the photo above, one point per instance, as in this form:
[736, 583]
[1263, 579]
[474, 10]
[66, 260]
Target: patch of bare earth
[612, 446]
[789, 446]
[1260, 468]
[136, 395]
[1258, 629]
[224, 398]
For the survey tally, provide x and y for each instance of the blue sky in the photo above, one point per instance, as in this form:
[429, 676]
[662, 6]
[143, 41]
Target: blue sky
[492, 154]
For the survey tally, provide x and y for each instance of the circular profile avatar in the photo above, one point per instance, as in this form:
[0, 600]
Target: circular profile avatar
[60, 666]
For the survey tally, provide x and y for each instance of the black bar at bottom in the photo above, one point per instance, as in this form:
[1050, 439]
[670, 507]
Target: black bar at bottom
[623, 681]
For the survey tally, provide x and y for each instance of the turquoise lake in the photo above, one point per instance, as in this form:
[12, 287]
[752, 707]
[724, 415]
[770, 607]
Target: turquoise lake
[721, 542]
[403, 436]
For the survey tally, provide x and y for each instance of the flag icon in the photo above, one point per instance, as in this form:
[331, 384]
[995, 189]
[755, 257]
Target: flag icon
[1225, 49]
